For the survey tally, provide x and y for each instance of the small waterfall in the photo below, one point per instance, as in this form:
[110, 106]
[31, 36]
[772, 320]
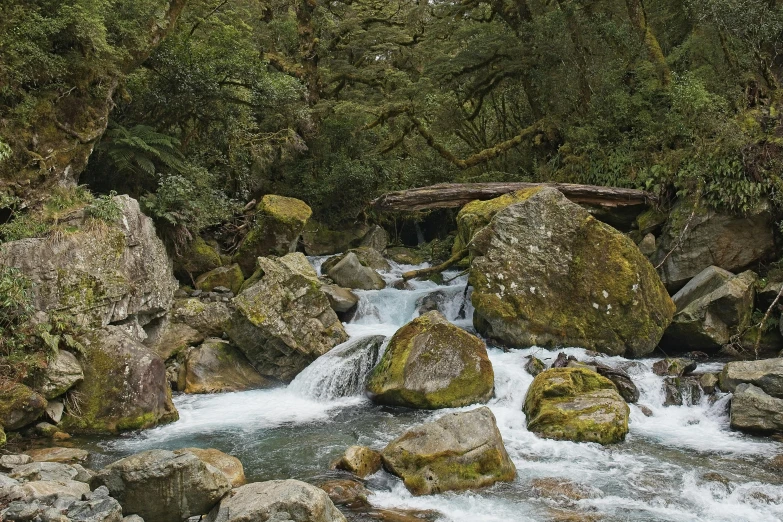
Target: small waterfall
[342, 372]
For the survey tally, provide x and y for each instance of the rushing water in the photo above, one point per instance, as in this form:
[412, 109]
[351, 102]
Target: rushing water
[657, 474]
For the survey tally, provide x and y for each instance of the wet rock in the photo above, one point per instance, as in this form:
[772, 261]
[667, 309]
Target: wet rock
[283, 500]
[681, 391]
[405, 255]
[431, 302]
[217, 367]
[707, 318]
[674, 367]
[576, 404]
[671, 392]
[716, 477]
[60, 375]
[368, 257]
[350, 273]
[61, 455]
[546, 273]
[124, 387]
[712, 239]
[767, 374]
[284, 322]
[562, 360]
[45, 429]
[562, 489]
[534, 366]
[163, 486]
[346, 492]
[430, 363]
[755, 411]
[102, 276]
[621, 380]
[646, 411]
[225, 277]
[19, 406]
[278, 223]
[709, 383]
[359, 460]
[459, 451]
[394, 515]
[341, 299]
[230, 466]
[376, 238]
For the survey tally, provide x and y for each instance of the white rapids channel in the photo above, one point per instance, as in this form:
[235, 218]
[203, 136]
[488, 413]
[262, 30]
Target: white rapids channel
[657, 474]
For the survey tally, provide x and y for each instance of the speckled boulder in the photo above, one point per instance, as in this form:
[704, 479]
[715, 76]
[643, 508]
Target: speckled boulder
[576, 404]
[279, 221]
[430, 363]
[124, 386]
[546, 273]
[459, 451]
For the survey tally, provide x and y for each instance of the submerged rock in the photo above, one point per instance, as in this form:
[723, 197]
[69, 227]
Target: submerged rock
[459, 451]
[163, 486]
[347, 492]
[276, 500]
[124, 386]
[350, 273]
[430, 363]
[359, 460]
[217, 367]
[547, 273]
[278, 223]
[283, 322]
[19, 406]
[755, 411]
[576, 404]
[341, 299]
[767, 374]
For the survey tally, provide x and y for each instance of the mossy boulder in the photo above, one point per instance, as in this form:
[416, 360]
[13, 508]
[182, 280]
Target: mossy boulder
[216, 367]
[101, 274]
[321, 240]
[430, 363]
[197, 258]
[226, 276]
[3, 438]
[19, 406]
[284, 321]
[459, 451]
[547, 273]
[711, 239]
[124, 387]
[576, 404]
[278, 223]
[359, 460]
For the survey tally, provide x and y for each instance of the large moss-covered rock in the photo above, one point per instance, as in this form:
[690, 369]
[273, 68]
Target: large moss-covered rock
[119, 272]
[711, 239]
[124, 386]
[546, 273]
[279, 221]
[766, 374]
[459, 451]
[226, 276]
[284, 322]
[19, 406]
[477, 214]
[430, 363]
[197, 258]
[276, 500]
[163, 486]
[216, 367]
[710, 309]
[576, 404]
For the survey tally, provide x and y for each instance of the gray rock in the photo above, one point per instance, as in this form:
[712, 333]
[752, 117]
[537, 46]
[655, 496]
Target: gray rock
[534, 366]
[459, 451]
[674, 367]
[709, 383]
[97, 506]
[705, 282]
[431, 302]
[547, 273]
[377, 238]
[276, 500]
[708, 320]
[350, 273]
[115, 274]
[54, 410]
[767, 374]
[162, 486]
[712, 239]
[9, 462]
[60, 375]
[189, 323]
[622, 382]
[283, 321]
[341, 299]
[216, 367]
[57, 454]
[647, 245]
[50, 471]
[754, 411]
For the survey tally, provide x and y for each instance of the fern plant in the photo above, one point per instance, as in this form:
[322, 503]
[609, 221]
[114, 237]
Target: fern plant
[140, 150]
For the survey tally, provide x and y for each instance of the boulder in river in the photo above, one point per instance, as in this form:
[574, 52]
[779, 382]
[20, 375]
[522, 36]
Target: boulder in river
[217, 367]
[359, 460]
[712, 238]
[276, 500]
[278, 223]
[283, 321]
[163, 486]
[430, 363]
[19, 406]
[673, 367]
[100, 275]
[767, 374]
[367, 256]
[576, 404]
[341, 299]
[350, 273]
[230, 466]
[546, 273]
[621, 380]
[458, 451]
[124, 386]
[755, 411]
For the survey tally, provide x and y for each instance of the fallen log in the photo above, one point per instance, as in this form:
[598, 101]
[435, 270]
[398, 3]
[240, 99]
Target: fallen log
[453, 195]
[425, 272]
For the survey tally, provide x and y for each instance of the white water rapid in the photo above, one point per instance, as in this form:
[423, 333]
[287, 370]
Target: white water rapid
[657, 474]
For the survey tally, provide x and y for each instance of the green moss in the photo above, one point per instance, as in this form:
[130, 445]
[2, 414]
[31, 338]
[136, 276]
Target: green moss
[649, 220]
[198, 258]
[291, 211]
[477, 214]
[229, 277]
[2, 437]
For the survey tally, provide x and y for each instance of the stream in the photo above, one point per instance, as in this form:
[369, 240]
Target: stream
[657, 474]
